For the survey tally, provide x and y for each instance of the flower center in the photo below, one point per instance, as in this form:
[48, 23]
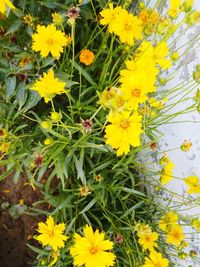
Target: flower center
[127, 27]
[135, 92]
[147, 238]
[124, 124]
[176, 235]
[93, 250]
[157, 265]
[50, 41]
[51, 234]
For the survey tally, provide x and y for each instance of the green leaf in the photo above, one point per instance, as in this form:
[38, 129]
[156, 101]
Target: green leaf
[79, 168]
[32, 101]
[38, 251]
[138, 205]
[21, 94]
[84, 73]
[89, 206]
[18, 12]
[15, 27]
[10, 87]
[131, 191]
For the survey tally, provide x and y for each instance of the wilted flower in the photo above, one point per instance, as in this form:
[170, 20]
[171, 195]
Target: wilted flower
[38, 161]
[73, 13]
[86, 126]
[84, 191]
[119, 239]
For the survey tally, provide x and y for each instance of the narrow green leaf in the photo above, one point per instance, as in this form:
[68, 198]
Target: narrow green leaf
[89, 206]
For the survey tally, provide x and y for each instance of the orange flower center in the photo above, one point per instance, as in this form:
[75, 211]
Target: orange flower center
[124, 124]
[176, 235]
[127, 27]
[51, 234]
[93, 250]
[135, 92]
[157, 265]
[147, 238]
[50, 41]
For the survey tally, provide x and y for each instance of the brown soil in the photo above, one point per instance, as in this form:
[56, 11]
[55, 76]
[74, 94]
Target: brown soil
[15, 233]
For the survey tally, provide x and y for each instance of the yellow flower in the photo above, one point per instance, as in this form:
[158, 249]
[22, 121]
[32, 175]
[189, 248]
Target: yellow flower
[49, 40]
[186, 146]
[57, 18]
[147, 239]
[54, 258]
[3, 4]
[150, 20]
[47, 125]
[154, 103]
[91, 249]
[155, 260]
[194, 184]
[174, 56]
[187, 5]
[196, 224]
[160, 53]
[166, 172]
[4, 147]
[168, 220]
[108, 16]
[51, 234]
[84, 191]
[28, 19]
[86, 57]
[48, 141]
[175, 235]
[124, 131]
[135, 86]
[48, 86]
[127, 27]
[174, 8]
[56, 116]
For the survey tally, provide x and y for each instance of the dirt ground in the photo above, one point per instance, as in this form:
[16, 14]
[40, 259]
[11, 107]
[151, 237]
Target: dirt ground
[15, 233]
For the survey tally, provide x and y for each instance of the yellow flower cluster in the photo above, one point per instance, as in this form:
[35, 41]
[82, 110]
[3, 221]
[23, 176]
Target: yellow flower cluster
[122, 23]
[147, 239]
[167, 168]
[174, 232]
[137, 80]
[89, 250]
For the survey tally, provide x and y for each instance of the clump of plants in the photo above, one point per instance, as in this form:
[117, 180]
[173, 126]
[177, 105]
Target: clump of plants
[82, 99]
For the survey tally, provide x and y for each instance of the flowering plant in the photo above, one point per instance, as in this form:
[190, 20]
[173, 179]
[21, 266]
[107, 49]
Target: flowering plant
[82, 99]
